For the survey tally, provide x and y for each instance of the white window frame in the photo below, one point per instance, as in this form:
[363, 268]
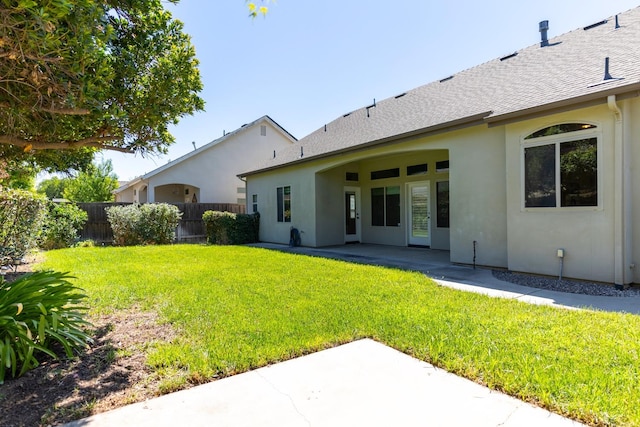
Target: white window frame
[556, 140]
[284, 216]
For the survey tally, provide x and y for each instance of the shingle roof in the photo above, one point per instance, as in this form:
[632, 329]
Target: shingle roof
[536, 78]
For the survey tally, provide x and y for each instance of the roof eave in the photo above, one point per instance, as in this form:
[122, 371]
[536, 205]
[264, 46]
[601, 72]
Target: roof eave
[589, 100]
[465, 122]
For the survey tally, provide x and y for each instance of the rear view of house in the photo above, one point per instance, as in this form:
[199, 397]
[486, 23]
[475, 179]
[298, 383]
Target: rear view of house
[521, 162]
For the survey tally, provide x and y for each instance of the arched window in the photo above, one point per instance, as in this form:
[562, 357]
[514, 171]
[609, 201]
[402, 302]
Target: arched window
[561, 166]
[561, 128]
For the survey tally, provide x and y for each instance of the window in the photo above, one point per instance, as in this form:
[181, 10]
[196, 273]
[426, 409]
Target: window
[241, 190]
[352, 176]
[442, 203]
[387, 173]
[561, 171]
[284, 204]
[254, 203]
[562, 128]
[385, 206]
[442, 166]
[417, 169]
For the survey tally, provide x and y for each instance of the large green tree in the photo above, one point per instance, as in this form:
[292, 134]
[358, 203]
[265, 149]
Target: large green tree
[84, 75]
[94, 185]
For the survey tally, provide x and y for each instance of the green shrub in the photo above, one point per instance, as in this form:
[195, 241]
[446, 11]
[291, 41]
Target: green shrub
[146, 224]
[37, 310]
[86, 244]
[21, 216]
[61, 225]
[123, 221]
[226, 228]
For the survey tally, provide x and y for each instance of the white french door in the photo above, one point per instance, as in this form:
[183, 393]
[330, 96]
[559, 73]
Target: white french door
[419, 213]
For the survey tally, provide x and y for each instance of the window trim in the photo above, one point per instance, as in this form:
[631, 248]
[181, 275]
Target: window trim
[556, 140]
[283, 218]
[385, 206]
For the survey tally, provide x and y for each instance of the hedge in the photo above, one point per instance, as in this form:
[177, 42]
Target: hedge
[226, 228]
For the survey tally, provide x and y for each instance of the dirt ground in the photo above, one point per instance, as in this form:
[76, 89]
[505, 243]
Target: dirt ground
[109, 374]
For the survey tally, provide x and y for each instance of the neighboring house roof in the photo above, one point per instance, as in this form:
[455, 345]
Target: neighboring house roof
[205, 147]
[569, 71]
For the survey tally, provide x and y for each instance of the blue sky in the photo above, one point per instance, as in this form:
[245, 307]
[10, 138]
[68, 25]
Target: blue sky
[309, 62]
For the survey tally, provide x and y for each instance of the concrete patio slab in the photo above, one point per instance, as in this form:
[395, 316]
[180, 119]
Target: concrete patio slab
[360, 383]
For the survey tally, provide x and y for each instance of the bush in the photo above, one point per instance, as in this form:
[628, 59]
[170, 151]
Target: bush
[21, 216]
[61, 225]
[146, 224]
[37, 310]
[86, 244]
[225, 228]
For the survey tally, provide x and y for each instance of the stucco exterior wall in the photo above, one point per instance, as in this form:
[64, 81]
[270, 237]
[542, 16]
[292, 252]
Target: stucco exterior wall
[212, 173]
[329, 188]
[585, 233]
[478, 196]
[125, 196]
[302, 205]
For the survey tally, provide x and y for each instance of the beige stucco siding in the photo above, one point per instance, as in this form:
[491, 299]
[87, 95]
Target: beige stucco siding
[330, 206]
[302, 204]
[213, 172]
[586, 234]
[478, 196]
[209, 174]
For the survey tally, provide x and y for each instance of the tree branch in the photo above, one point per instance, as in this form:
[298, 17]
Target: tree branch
[66, 111]
[100, 142]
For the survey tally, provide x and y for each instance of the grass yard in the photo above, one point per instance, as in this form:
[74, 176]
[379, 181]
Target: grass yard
[238, 308]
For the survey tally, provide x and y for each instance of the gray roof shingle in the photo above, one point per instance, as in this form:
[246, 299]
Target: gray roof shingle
[537, 78]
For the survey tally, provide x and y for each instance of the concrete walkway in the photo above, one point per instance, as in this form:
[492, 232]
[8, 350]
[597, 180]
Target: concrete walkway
[363, 382]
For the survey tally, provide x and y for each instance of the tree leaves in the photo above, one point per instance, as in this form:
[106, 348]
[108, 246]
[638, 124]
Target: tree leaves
[99, 74]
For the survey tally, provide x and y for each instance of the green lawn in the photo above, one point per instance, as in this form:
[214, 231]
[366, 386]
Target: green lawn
[238, 308]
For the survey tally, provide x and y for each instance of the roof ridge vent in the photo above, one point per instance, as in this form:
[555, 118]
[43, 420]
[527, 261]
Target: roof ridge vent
[401, 95]
[446, 79]
[597, 24]
[511, 55]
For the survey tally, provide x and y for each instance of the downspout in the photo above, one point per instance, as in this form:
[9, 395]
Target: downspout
[622, 199]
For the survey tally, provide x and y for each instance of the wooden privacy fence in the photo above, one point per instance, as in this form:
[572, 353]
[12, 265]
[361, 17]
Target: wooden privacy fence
[190, 228]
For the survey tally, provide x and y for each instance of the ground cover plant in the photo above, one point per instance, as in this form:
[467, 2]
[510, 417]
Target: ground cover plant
[37, 310]
[238, 308]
